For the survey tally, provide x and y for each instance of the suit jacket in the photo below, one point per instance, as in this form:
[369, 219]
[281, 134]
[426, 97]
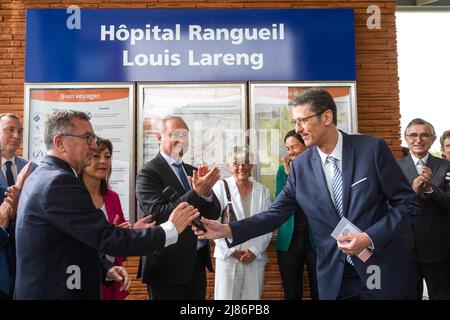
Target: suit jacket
[174, 264]
[59, 235]
[376, 198]
[431, 228]
[20, 163]
[9, 247]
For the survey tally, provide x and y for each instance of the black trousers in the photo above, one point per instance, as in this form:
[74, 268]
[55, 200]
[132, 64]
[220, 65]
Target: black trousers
[194, 289]
[437, 277]
[352, 287]
[291, 264]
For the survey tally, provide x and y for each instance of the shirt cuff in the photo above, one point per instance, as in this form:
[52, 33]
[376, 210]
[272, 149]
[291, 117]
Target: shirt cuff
[209, 199]
[171, 233]
[428, 192]
[372, 246]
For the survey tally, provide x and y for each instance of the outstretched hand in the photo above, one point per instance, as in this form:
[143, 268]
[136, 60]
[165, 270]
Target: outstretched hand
[216, 230]
[183, 215]
[144, 223]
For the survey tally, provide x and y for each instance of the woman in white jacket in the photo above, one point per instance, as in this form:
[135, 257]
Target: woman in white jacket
[240, 269]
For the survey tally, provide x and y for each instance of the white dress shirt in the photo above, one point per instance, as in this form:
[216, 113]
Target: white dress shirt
[13, 167]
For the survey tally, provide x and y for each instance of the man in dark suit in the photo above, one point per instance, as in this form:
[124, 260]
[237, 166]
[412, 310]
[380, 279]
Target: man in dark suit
[14, 171]
[353, 176]
[176, 272]
[60, 233]
[11, 132]
[431, 228]
[8, 209]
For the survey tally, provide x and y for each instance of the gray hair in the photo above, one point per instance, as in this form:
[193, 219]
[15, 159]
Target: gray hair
[242, 151]
[60, 122]
[419, 121]
[161, 125]
[11, 116]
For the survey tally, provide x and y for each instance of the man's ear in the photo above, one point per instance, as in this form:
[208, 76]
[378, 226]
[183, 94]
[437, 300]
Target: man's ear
[328, 117]
[58, 144]
[158, 137]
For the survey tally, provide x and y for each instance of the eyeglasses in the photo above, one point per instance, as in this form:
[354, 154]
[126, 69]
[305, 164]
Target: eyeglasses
[88, 136]
[414, 136]
[303, 121]
[244, 164]
[177, 135]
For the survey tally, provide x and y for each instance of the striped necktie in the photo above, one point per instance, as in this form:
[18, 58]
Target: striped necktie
[337, 193]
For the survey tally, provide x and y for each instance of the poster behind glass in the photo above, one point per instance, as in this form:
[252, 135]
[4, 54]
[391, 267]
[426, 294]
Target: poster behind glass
[214, 113]
[271, 115]
[111, 110]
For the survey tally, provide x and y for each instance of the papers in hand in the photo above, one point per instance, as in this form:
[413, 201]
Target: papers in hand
[345, 227]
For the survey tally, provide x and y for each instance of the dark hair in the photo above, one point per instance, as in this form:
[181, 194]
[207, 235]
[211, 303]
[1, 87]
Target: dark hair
[444, 136]
[294, 134]
[60, 122]
[103, 144]
[319, 100]
[419, 121]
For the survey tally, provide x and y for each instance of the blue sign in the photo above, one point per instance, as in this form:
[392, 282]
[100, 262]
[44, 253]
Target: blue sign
[118, 45]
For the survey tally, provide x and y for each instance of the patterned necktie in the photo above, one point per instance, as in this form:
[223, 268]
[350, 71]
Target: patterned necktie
[9, 173]
[183, 177]
[337, 193]
[419, 166]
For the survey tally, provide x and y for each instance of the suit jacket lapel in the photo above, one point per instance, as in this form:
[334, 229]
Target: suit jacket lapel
[410, 170]
[348, 162]
[173, 179]
[19, 164]
[320, 179]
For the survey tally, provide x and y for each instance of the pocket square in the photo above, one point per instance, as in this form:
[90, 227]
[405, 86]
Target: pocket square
[359, 181]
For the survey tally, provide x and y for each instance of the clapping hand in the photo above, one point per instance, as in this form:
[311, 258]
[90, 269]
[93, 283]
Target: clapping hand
[203, 180]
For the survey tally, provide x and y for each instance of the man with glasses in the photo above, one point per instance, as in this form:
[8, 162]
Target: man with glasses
[176, 272]
[341, 175]
[431, 228]
[60, 233]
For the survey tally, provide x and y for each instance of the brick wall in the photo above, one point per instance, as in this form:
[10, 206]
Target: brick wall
[376, 71]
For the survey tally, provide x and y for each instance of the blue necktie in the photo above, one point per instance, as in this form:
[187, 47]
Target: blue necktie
[337, 193]
[183, 177]
[9, 174]
[6, 281]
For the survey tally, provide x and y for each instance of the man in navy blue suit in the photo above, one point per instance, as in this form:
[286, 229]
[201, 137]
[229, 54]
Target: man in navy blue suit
[340, 175]
[8, 208]
[59, 232]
